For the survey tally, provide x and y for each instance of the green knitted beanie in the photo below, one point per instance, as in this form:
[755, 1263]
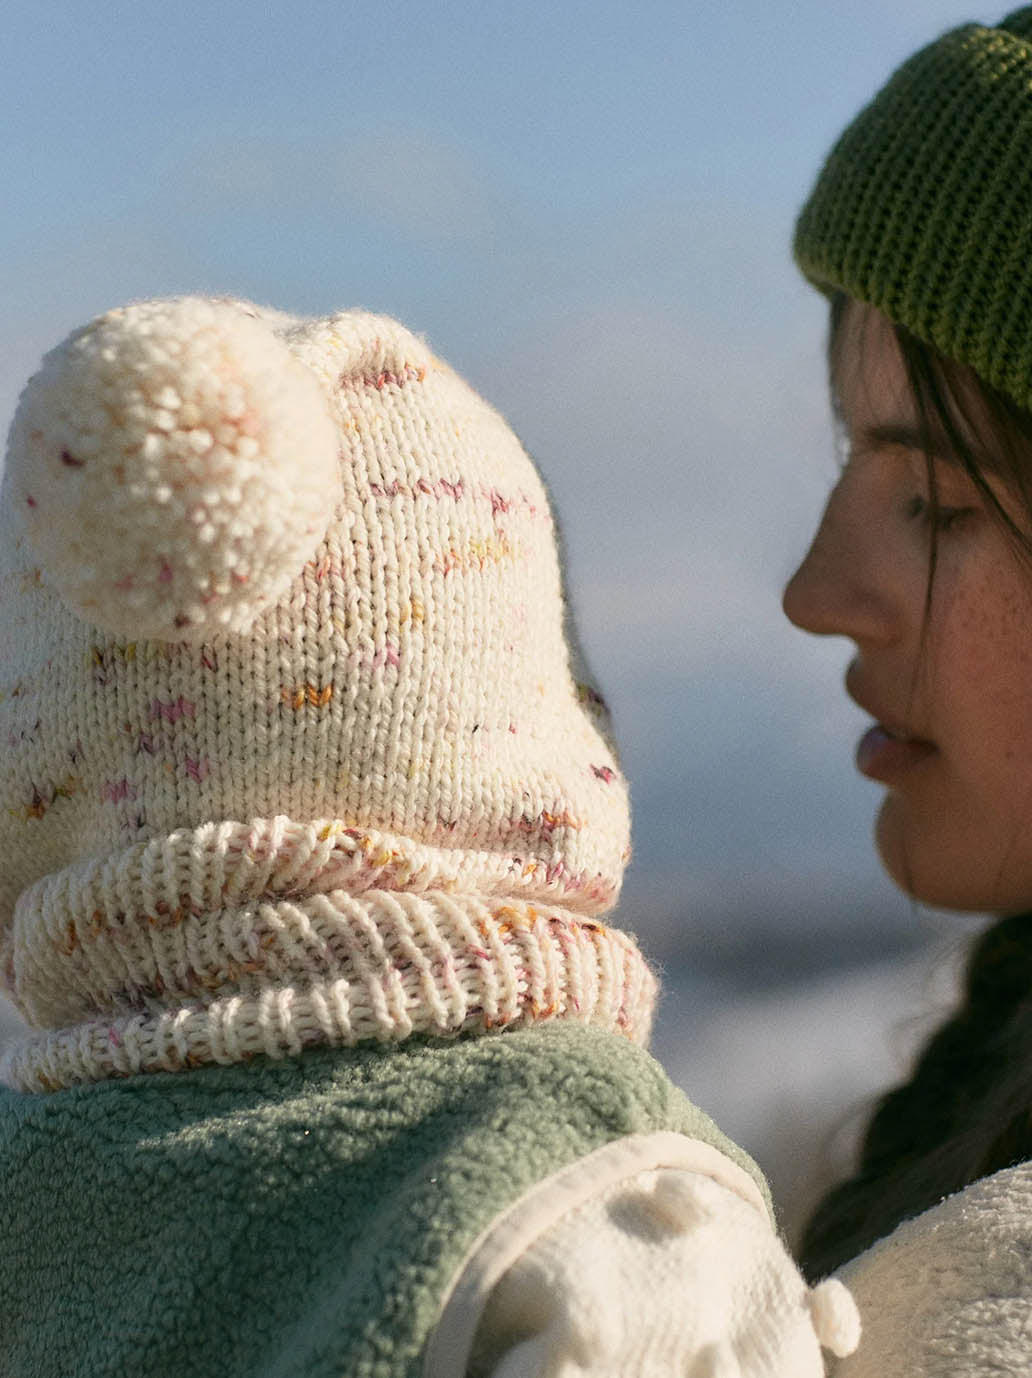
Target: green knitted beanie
[924, 207]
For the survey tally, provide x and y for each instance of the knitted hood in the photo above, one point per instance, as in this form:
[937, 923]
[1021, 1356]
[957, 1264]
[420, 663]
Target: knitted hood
[294, 753]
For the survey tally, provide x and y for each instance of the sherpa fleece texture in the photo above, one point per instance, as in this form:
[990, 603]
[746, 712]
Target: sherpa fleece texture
[304, 1217]
[949, 1294]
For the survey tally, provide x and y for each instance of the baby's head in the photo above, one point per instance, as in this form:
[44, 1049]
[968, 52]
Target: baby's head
[281, 615]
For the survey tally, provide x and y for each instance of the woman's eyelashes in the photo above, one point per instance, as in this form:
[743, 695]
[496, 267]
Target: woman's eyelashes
[945, 496]
[920, 508]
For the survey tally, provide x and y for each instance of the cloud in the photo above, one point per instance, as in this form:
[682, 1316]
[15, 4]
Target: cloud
[687, 467]
[405, 178]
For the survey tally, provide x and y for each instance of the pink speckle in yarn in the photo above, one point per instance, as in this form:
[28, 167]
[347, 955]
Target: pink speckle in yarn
[114, 791]
[31, 501]
[603, 773]
[172, 712]
[198, 770]
[165, 573]
[388, 656]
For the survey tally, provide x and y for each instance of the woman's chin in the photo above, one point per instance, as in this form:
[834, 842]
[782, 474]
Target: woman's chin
[939, 870]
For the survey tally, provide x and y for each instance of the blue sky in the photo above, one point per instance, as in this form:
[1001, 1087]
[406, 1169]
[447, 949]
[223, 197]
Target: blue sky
[587, 208]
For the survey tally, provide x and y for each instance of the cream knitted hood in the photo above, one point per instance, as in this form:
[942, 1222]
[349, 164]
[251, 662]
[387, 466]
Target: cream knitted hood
[293, 750]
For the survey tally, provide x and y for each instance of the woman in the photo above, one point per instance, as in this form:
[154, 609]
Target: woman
[919, 230]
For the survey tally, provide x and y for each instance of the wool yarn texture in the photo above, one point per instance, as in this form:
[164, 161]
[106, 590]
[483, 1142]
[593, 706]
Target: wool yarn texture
[294, 749]
[923, 209]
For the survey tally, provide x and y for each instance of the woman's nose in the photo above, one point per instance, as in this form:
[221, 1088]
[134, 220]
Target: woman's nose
[840, 589]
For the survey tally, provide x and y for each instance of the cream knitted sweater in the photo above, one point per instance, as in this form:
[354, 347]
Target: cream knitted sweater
[949, 1294]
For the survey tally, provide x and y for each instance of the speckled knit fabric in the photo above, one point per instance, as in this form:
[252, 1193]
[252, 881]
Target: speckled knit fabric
[924, 207]
[293, 753]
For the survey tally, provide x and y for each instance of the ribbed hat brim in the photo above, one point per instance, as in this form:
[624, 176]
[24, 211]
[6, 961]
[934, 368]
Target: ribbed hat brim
[924, 206]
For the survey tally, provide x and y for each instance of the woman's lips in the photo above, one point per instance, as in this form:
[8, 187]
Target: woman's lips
[885, 756]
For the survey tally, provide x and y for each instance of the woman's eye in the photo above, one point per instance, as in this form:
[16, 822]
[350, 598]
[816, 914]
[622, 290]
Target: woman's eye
[918, 508]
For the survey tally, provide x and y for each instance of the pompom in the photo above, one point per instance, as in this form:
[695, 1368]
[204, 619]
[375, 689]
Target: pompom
[835, 1317]
[176, 466]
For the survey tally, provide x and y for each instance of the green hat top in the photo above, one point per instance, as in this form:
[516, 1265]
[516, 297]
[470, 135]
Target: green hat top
[924, 206]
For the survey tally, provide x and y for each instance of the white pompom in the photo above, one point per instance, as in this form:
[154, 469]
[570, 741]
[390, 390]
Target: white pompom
[836, 1319]
[176, 466]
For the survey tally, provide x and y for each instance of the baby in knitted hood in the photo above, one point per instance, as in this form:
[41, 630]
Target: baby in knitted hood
[299, 782]
[294, 753]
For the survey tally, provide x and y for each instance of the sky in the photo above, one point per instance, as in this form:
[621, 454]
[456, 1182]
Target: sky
[588, 210]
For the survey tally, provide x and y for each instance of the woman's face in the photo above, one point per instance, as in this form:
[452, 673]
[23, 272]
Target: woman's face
[949, 686]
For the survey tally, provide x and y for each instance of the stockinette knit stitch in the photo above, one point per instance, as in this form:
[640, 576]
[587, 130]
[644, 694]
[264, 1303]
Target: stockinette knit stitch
[924, 207]
[293, 749]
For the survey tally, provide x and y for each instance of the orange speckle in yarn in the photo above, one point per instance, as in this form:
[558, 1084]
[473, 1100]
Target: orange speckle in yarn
[310, 694]
[44, 799]
[320, 568]
[475, 555]
[548, 822]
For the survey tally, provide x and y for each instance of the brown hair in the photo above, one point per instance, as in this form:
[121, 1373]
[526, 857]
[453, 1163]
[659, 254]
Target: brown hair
[967, 1109]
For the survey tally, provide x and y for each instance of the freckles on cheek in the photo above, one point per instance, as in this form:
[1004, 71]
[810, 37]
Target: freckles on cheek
[991, 648]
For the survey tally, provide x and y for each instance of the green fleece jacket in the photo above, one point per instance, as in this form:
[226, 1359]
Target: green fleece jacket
[304, 1217]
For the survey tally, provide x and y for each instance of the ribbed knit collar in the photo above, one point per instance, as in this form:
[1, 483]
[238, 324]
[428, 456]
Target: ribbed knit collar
[222, 943]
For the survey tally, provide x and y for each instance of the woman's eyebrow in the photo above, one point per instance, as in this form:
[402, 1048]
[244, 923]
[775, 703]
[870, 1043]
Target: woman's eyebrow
[907, 436]
[899, 434]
